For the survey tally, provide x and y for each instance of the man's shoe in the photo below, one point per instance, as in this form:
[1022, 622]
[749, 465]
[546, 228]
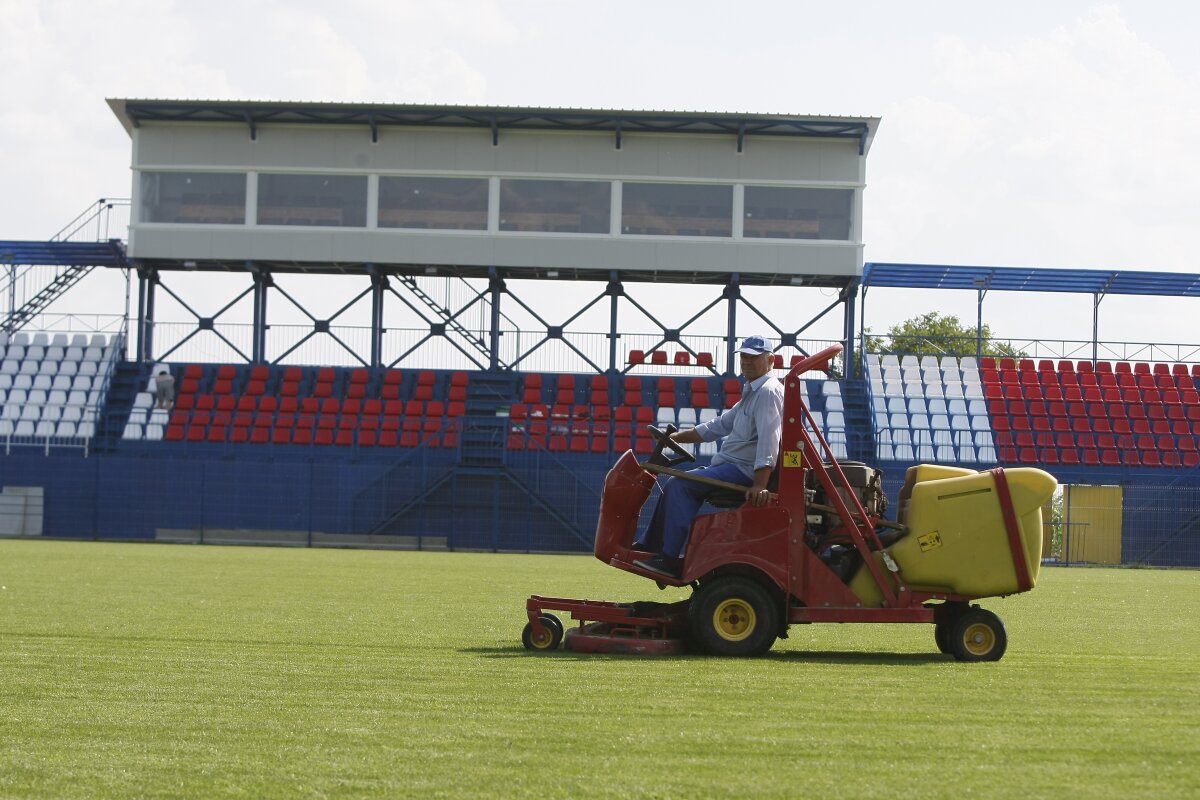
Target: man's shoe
[659, 564]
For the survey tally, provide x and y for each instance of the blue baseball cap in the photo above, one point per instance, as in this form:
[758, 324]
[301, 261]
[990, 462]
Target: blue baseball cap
[755, 345]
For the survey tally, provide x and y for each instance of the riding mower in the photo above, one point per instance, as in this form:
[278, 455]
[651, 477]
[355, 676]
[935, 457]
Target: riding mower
[819, 551]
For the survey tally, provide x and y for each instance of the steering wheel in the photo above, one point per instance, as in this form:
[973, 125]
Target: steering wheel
[663, 442]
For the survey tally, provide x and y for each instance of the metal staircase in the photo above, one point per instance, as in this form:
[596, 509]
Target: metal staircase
[41, 272]
[449, 319]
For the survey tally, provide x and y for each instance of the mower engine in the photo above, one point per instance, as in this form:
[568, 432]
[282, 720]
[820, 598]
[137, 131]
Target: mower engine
[827, 534]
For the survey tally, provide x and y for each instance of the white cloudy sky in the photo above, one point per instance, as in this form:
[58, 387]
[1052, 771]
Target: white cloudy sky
[1026, 133]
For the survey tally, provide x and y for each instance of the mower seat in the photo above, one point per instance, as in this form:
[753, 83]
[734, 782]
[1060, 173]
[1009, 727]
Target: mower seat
[728, 498]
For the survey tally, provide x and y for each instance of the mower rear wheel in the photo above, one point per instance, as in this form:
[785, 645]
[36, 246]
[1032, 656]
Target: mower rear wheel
[977, 635]
[549, 640]
[941, 637]
[733, 616]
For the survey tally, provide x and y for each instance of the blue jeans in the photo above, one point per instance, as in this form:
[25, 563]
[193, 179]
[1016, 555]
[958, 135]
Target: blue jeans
[677, 506]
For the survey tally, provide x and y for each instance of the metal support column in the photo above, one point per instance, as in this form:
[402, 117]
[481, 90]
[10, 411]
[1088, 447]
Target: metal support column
[1097, 298]
[733, 293]
[615, 291]
[147, 281]
[979, 325]
[379, 285]
[258, 345]
[12, 297]
[496, 287]
[862, 333]
[848, 295]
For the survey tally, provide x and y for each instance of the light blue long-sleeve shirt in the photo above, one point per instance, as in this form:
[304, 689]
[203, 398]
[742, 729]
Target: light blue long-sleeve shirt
[751, 429]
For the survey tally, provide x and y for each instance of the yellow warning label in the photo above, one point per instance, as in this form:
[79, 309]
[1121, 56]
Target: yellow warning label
[929, 541]
[793, 458]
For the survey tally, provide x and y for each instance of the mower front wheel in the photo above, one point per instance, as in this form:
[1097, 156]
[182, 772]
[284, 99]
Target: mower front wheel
[977, 635]
[733, 616]
[548, 640]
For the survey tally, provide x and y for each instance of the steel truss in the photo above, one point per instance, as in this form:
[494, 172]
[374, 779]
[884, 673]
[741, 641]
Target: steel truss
[482, 348]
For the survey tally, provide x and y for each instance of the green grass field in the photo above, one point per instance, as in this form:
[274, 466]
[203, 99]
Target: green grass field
[133, 670]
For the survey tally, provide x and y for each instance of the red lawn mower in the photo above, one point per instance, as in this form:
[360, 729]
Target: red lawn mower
[819, 551]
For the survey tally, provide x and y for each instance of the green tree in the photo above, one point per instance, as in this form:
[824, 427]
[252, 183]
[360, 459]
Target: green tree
[934, 333]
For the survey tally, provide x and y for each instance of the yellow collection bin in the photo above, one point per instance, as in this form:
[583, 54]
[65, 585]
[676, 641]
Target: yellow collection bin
[957, 538]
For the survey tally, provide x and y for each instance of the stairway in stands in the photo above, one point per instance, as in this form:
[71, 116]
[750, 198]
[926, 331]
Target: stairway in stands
[860, 444]
[128, 378]
[483, 431]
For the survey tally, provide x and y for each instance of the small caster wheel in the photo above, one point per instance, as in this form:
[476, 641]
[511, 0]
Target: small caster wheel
[550, 638]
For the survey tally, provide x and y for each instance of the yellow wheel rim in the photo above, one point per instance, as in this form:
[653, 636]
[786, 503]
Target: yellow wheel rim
[543, 641]
[734, 619]
[979, 639]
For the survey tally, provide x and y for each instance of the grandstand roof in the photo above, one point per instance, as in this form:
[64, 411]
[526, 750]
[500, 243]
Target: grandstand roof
[1031, 279]
[133, 113]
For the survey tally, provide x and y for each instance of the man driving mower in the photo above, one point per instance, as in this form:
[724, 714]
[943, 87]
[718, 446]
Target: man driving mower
[750, 448]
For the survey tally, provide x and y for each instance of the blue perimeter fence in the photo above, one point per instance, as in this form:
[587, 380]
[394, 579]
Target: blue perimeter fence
[531, 500]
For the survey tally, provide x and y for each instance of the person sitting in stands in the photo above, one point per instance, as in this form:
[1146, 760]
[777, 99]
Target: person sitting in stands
[751, 432]
[164, 386]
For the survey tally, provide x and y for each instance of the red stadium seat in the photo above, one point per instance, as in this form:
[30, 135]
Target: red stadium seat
[633, 391]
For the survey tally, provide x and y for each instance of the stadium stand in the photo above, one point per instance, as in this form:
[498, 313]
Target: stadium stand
[318, 406]
[1016, 411]
[53, 387]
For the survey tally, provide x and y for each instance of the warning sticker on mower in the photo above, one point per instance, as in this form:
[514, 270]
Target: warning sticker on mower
[793, 458]
[929, 541]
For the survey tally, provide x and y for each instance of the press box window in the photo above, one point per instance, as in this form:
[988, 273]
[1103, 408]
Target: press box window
[327, 200]
[199, 198]
[448, 203]
[792, 213]
[677, 209]
[555, 206]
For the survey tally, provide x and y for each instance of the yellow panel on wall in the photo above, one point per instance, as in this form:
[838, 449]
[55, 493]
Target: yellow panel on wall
[1092, 520]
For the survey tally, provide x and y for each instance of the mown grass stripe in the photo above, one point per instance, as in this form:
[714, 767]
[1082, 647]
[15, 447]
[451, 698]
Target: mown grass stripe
[177, 671]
